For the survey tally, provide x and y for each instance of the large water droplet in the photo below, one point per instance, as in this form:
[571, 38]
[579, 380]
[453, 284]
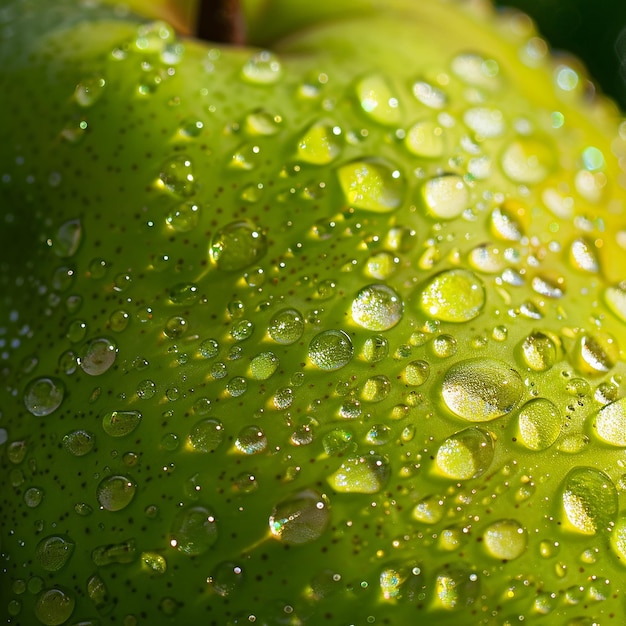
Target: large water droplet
[320, 144]
[596, 353]
[583, 256]
[527, 160]
[79, 442]
[481, 389]
[120, 423]
[466, 454]
[263, 365]
[360, 474]
[43, 396]
[331, 349]
[378, 100]
[588, 501]
[610, 423]
[505, 539]
[377, 307]
[115, 493]
[301, 518]
[426, 139]
[445, 197]
[506, 223]
[193, 530]
[453, 296]
[54, 606]
[416, 373]
[97, 356]
[429, 95]
[376, 388]
[486, 122]
[538, 424]
[372, 185]
[68, 238]
[54, 552]
[237, 246]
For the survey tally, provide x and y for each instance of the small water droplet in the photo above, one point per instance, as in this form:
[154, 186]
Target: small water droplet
[505, 222]
[251, 440]
[206, 435]
[416, 373]
[121, 553]
[331, 349]
[426, 139]
[193, 530]
[429, 95]
[453, 296]
[120, 423]
[153, 563]
[115, 493]
[445, 197]
[583, 256]
[376, 388]
[596, 353]
[481, 389]
[527, 160]
[79, 442]
[97, 356]
[286, 327]
[372, 185]
[226, 578]
[505, 539]
[176, 175]
[377, 307]
[375, 349]
[539, 351]
[301, 518]
[360, 474]
[54, 552]
[184, 217]
[44, 395]
[486, 122]
[68, 238]
[588, 501]
[465, 455]
[476, 70]
[615, 298]
[54, 606]
[538, 424]
[262, 68]
[237, 245]
[378, 100]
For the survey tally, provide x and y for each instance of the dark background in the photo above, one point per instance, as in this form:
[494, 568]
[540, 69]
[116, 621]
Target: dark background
[594, 30]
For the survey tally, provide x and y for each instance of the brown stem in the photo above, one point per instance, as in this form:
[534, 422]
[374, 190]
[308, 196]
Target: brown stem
[221, 21]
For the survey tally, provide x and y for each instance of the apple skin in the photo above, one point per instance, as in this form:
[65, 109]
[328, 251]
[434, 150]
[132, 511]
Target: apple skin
[178, 449]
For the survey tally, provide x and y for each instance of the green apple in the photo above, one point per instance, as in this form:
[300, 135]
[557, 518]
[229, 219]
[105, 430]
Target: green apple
[324, 329]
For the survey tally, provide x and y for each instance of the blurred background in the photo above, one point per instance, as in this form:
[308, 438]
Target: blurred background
[594, 30]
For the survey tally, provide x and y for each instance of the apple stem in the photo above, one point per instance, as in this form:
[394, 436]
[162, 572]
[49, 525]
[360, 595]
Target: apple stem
[221, 21]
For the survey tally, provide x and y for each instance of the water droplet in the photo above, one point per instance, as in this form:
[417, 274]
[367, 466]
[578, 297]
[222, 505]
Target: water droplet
[596, 353]
[539, 351]
[225, 578]
[615, 298]
[445, 197]
[286, 327]
[320, 144]
[416, 373]
[375, 349]
[466, 454]
[184, 217]
[301, 518]
[618, 539]
[97, 356]
[360, 474]
[121, 553]
[481, 389]
[538, 424]
[378, 100]
[372, 185]
[426, 139]
[609, 423]
[444, 346]
[453, 296]
[33, 497]
[486, 122]
[176, 175]
[588, 500]
[262, 122]
[153, 563]
[505, 222]
[263, 68]
[237, 386]
[487, 258]
[153, 36]
[527, 160]
[193, 530]
[120, 423]
[54, 552]
[54, 606]
[115, 493]
[583, 256]
[505, 539]
[428, 95]
[377, 307]
[548, 286]
[376, 388]
[331, 349]
[476, 70]
[455, 589]
[43, 396]
[237, 246]
[89, 90]
[206, 435]
[68, 238]
[263, 365]
[79, 442]
[251, 440]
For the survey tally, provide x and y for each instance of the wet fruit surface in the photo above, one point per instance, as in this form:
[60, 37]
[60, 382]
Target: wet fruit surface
[353, 360]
